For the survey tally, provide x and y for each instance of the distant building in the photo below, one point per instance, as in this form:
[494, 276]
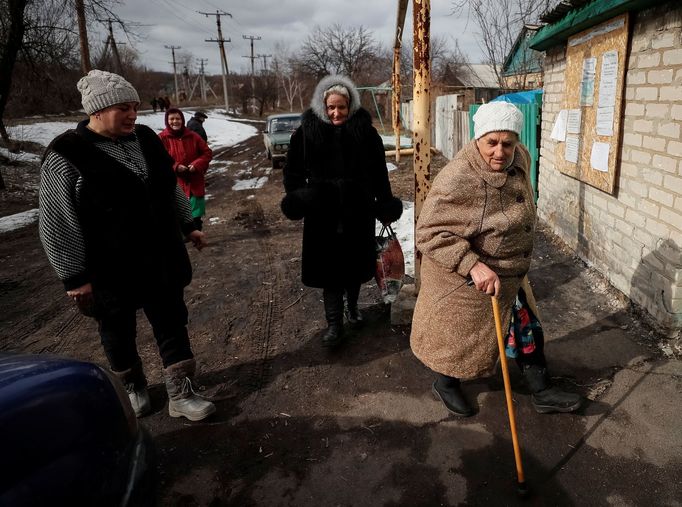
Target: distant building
[474, 83]
[522, 69]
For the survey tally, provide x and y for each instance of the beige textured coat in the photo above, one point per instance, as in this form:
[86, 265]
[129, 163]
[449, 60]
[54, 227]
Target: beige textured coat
[471, 213]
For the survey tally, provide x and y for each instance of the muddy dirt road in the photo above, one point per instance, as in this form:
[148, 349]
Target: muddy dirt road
[297, 425]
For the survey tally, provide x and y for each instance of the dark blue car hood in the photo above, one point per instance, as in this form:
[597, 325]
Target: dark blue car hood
[63, 427]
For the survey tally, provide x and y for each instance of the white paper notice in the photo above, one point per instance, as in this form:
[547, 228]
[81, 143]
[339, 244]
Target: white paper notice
[605, 121]
[573, 121]
[559, 128]
[587, 82]
[608, 79]
[599, 159]
[571, 153]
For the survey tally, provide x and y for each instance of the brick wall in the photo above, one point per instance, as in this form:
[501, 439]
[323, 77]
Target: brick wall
[634, 237]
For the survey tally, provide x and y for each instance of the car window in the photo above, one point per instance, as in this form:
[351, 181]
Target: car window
[284, 124]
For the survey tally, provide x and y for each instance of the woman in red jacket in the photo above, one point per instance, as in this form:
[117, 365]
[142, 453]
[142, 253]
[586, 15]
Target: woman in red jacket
[192, 156]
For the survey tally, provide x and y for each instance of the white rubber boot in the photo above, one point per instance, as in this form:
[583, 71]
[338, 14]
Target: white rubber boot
[135, 384]
[182, 400]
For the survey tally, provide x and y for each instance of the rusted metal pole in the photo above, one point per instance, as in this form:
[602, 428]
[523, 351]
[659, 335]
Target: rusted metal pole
[396, 101]
[421, 124]
[395, 81]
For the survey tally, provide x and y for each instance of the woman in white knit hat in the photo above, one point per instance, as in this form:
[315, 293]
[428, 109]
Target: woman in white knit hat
[475, 233]
[112, 221]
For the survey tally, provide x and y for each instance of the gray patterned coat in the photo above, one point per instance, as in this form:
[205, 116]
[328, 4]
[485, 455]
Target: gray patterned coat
[471, 213]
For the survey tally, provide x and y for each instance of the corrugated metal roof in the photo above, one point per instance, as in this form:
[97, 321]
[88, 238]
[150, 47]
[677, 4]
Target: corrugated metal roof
[572, 19]
[478, 75]
[521, 59]
[561, 9]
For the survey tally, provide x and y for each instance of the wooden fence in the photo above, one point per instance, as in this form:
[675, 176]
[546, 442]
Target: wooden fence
[450, 130]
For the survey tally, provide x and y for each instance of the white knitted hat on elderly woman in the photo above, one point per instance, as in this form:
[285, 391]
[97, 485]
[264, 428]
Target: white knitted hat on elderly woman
[497, 116]
[101, 89]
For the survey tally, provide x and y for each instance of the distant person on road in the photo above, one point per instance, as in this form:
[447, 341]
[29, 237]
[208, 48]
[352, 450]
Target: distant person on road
[154, 103]
[163, 105]
[195, 124]
[112, 222]
[336, 179]
[192, 156]
[476, 232]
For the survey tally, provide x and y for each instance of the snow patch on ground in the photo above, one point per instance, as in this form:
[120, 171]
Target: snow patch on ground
[22, 156]
[405, 142]
[404, 230]
[250, 184]
[220, 130]
[18, 220]
[391, 167]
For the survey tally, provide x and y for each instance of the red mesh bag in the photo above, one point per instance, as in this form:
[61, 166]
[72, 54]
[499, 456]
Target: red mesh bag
[390, 267]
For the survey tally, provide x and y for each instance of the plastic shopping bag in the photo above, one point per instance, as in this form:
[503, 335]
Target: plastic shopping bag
[390, 267]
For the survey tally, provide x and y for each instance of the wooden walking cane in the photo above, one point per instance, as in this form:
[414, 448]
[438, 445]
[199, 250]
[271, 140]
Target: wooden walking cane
[521, 487]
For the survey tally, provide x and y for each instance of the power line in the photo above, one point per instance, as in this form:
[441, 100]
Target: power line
[184, 20]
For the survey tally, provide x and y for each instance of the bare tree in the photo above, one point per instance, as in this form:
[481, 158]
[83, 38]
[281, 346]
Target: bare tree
[338, 50]
[39, 46]
[499, 23]
[12, 29]
[265, 90]
[285, 70]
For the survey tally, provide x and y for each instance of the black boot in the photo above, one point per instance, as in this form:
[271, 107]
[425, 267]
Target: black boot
[448, 390]
[353, 314]
[545, 397]
[333, 311]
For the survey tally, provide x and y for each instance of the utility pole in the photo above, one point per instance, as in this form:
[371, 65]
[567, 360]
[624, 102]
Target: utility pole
[185, 80]
[265, 63]
[202, 78]
[221, 45]
[252, 57]
[111, 41]
[83, 37]
[175, 72]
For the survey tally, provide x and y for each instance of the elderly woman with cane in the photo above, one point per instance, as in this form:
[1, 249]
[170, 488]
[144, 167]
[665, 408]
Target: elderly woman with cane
[336, 179]
[475, 233]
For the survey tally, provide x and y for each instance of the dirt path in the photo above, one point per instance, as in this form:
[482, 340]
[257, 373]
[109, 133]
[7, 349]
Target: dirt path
[297, 425]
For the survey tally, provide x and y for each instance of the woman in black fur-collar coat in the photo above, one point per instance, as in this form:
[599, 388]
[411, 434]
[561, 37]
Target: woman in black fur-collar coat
[336, 179]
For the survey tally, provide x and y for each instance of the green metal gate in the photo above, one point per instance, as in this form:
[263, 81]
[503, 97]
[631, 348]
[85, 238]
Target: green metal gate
[530, 136]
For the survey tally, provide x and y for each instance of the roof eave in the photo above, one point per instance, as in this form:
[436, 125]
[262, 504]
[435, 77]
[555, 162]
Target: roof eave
[581, 19]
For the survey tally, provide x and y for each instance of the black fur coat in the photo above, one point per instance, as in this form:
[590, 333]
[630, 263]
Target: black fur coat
[336, 180]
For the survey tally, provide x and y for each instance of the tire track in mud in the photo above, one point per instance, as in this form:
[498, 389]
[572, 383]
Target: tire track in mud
[32, 332]
[264, 325]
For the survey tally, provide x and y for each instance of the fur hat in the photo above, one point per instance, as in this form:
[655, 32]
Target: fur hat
[496, 117]
[101, 89]
[200, 115]
[318, 102]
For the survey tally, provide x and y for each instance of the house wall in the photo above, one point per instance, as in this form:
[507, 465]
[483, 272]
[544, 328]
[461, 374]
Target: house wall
[532, 80]
[634, 237]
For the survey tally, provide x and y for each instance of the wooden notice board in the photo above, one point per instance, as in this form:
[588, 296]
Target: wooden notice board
[593, 103]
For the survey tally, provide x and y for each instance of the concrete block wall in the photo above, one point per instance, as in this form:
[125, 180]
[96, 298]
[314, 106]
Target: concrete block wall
[634, 237]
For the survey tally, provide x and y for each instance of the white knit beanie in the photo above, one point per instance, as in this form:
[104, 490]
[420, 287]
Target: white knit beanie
[497, 116]
[100, 89]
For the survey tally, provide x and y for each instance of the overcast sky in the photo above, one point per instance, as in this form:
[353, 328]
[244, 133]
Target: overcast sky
[177, 23]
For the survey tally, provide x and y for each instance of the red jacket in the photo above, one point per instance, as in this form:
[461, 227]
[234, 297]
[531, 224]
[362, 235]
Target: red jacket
[188, 149]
